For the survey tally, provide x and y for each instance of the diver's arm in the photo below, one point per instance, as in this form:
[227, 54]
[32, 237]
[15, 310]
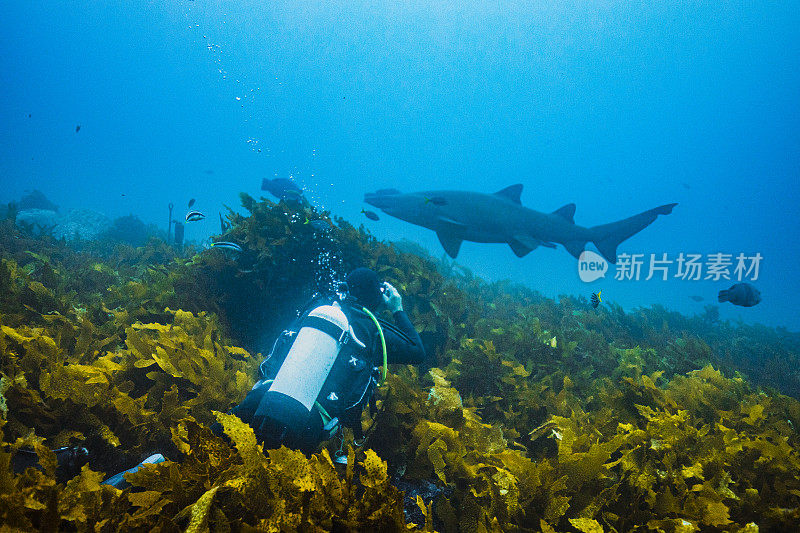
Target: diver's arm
[403, 346]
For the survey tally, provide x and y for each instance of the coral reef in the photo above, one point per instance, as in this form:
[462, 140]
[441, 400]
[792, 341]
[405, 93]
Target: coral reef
[537, 415]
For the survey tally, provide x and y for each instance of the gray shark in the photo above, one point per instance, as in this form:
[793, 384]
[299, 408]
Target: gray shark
[458, 216]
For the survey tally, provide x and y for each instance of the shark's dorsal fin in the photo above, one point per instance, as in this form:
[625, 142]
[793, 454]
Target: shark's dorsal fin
[567, 211]
[511, 193]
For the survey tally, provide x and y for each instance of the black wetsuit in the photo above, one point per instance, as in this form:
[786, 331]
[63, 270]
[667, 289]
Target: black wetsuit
[403, 346]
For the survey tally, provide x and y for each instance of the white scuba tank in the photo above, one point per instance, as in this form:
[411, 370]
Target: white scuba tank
[299, 380]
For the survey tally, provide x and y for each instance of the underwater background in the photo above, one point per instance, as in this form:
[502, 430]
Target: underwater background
[615, 106]
[660, 410]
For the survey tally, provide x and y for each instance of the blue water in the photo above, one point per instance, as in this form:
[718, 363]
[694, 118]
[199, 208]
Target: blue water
[616, 106]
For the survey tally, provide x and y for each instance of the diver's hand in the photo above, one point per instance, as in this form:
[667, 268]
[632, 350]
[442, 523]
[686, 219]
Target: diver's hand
[392, 298]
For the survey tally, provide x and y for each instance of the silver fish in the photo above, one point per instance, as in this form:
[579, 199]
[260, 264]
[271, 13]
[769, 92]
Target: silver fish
[194, 216]
[227, 245]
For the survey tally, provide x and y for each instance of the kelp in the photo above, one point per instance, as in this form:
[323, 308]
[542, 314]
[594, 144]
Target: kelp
[539, 414]
[127, 389]
[216, 483]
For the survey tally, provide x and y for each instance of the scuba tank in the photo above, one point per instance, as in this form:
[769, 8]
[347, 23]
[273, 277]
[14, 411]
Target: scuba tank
[300, 379]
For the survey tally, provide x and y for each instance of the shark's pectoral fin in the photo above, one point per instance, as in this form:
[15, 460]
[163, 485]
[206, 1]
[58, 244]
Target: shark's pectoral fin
[450, 243]
[522, 245]
[451, 235]
[575, 247]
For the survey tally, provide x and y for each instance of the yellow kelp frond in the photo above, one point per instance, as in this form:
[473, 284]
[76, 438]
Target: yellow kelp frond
[199, 513]
[245, 440]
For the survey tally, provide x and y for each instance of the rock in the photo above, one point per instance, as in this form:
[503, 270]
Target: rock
[129, 229]
[36, 200]
[38, 221]
[83, 224]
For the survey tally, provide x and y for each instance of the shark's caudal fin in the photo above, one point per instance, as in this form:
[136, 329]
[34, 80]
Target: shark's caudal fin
[609, 236]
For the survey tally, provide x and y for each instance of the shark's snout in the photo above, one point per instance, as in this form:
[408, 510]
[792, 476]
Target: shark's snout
[381, 201]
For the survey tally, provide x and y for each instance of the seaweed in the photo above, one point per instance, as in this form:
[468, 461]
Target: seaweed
[538, 414]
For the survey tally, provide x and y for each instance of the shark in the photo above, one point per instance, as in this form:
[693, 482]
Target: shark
[458, 216]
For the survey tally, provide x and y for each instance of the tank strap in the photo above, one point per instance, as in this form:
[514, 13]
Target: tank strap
[383, 344]
[341, 335]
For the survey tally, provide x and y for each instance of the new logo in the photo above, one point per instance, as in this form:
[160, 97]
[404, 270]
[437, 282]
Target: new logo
[591, 266]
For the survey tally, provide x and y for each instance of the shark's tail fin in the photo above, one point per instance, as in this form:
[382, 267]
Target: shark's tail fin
[609, 236]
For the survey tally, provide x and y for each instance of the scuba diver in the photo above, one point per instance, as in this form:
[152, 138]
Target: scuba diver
[322, 372]
[323, 369]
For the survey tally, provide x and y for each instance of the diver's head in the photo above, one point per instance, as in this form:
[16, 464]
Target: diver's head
[365, 286]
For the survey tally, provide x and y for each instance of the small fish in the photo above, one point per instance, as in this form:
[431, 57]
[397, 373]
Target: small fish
[194, 216]
[281, 188]
[436, 200]
[370, 215]
[318, 224]
[158, 268]
[596, 300]
[697, 298]
[29, 115]
[191, 202]
[227, 245]
[77, 128]
[553, 343]
[742, 294]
